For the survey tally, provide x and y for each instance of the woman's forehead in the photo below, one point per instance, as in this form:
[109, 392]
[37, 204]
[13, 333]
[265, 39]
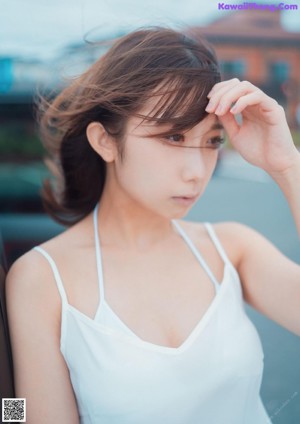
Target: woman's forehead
[176, 100]
[210, 123]
[154, 103]
[176, 103]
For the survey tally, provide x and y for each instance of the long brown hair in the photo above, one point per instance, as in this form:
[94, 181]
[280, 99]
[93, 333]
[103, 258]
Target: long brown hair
[180, 69]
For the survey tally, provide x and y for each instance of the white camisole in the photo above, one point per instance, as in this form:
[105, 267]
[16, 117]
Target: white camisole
[214, 377]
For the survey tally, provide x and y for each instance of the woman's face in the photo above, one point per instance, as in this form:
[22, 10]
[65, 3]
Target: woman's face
[166, 175]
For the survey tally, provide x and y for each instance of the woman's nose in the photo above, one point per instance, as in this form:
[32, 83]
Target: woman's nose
[195, 165]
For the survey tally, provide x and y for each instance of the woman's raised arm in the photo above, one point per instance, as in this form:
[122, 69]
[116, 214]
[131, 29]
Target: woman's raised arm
[263, 138]
[271, 282]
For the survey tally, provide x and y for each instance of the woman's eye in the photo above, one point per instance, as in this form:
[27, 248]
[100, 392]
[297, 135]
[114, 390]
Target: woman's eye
[215, 142]
[175, 138]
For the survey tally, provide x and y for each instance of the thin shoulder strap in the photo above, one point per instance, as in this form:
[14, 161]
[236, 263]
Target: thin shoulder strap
[98, 254]
[216, 242]
[197, 254]
[55, 272]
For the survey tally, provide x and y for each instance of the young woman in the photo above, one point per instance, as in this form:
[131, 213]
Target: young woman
[133, 315]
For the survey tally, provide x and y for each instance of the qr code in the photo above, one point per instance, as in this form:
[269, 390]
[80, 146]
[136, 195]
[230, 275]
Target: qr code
[13, 410]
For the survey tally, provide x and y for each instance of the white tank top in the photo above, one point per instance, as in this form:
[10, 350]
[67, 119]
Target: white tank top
[214, 377]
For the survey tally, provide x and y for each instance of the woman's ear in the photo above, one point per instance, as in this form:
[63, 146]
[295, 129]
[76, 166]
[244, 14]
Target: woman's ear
[101, 141]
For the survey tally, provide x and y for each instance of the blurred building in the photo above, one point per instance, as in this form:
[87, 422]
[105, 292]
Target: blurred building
[252, 45]
[20, 79]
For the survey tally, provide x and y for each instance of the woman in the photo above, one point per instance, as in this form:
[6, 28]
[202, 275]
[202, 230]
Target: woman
[133, 315]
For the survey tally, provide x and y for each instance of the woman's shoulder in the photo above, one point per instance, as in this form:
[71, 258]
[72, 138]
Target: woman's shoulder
[29, 284]
[30, 272]
[28, 268]
[225, 230]
[233, 236]
[29, 288]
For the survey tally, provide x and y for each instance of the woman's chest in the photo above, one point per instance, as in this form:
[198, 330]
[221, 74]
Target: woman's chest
[223, 357]
[159, 300]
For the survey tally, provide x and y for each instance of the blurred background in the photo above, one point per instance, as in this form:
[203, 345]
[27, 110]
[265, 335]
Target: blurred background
[45, 44]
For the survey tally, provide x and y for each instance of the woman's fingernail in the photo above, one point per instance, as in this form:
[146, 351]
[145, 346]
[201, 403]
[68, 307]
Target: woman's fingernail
[233, 109]
[209, 107]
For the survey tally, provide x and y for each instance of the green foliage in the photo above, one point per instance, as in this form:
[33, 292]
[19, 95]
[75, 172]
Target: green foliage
[18, 141]
[296, 137]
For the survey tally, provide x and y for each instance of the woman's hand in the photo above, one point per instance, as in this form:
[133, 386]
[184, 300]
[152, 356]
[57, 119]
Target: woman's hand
[263, 138]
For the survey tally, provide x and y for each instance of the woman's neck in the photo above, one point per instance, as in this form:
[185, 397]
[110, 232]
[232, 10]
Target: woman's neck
[127, 224]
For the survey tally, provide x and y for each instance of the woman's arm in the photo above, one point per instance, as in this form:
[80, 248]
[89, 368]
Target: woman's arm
[41, 374]
[263, 138]
[289, 182]
[271, 282]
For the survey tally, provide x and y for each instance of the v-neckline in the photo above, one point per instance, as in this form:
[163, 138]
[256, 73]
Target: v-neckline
[204, 319]
[133, 338]
[130, 333]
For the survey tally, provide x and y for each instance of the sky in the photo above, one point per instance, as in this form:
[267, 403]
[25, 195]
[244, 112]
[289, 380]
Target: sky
[41, 28]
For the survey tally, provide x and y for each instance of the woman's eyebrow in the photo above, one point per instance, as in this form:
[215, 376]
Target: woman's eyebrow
[216, 126]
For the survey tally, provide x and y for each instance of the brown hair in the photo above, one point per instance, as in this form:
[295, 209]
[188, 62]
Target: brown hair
[181, 70]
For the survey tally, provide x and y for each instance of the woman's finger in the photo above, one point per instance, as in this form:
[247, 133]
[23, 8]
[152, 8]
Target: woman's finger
[266, 103]
[230, 125]
[222, 100]
[220, 85]
[219, 93]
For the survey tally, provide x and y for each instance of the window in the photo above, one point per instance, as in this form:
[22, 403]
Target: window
[6, 77]
[233, 68]
[279, 71]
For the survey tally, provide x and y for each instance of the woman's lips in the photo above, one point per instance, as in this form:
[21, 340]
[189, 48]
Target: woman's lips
[185, 200]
